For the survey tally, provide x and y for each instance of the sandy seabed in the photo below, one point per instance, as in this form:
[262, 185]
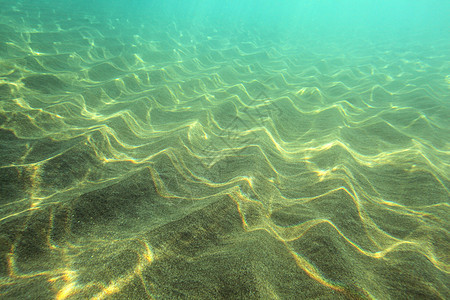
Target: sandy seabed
[141, 162]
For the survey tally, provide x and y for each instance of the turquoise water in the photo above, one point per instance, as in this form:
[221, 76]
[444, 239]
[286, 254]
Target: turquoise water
[224, 150]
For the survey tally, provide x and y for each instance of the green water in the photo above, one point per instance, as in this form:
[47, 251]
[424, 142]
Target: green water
[224, 150]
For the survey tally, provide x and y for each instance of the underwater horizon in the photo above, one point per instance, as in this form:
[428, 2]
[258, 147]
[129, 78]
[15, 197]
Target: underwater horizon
[224, 149]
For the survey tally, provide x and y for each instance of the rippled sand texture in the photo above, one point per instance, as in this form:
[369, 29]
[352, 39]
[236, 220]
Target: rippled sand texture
[168, 163]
